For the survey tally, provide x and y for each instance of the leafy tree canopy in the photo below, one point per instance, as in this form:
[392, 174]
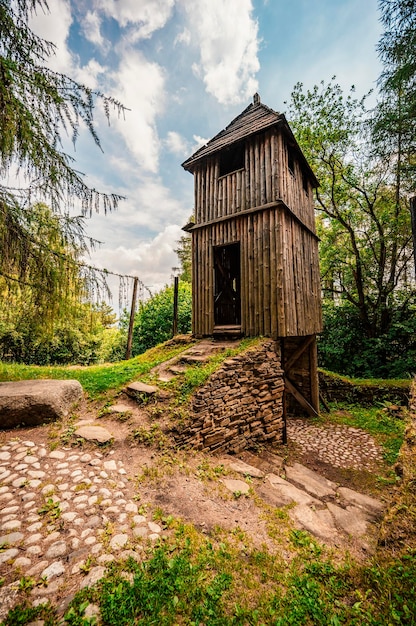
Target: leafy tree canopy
[364, 228]
[154, 319]
[38, 106]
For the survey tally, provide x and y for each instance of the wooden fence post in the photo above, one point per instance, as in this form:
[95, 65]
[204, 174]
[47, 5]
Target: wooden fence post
[175, 306]
[131, 324]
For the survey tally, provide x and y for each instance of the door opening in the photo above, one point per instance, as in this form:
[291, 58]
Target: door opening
[227, 292]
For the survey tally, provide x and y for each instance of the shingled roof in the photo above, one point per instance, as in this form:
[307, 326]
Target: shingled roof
[256, 118]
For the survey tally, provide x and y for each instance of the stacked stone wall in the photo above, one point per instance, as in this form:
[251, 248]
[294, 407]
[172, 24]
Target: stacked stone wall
[241, 406]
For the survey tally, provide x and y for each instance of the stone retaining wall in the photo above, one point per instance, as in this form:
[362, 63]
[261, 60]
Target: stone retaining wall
[241, 406]
[340, 388]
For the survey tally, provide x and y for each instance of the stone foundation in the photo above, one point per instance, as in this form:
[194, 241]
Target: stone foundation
[241, 406]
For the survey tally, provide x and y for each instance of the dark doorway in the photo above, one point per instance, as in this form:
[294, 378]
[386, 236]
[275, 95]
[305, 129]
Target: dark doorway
[227, 298]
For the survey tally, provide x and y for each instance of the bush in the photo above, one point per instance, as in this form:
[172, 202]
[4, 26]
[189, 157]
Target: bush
[343, 347]
[154, 320]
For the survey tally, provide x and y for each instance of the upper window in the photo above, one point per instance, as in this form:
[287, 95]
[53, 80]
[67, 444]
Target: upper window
[232, 159]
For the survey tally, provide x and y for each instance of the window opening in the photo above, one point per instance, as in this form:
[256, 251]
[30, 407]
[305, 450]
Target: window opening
[232, 159]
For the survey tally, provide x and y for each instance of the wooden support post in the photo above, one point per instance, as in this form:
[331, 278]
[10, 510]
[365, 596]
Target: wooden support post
[413, 219]
[131, 324]
[298, 352]
[175, 306]
[313, 374]
[300, 398]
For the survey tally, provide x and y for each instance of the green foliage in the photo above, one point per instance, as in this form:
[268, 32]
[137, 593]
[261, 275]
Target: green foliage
[363, 220]
[40, 247]
[386, 429]
[184, 252]
[344, 346]
[395, 119]
[96, 379]
[154, 320]
[79, 335]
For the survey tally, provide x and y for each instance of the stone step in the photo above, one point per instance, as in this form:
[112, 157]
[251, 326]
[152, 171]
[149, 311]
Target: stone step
[242, 468]
[267, 462]
[310, 481]
[94, 433]
[289, 493]
[140, 391]
[352, 521]
[372, 507]
[190, 359]
[318, 523]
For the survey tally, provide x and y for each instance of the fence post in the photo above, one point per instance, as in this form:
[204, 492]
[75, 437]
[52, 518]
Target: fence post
[131, 324]
[175, 306]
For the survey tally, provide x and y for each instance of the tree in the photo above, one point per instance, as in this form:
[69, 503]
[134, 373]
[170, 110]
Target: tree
[365, 232]
[395, 115]
[38, 106]
[154, 319]
[184, 252]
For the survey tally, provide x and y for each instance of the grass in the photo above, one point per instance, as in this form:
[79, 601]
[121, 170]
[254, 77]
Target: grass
[386, 429]
[96, 379]
[194, 580]
[197, 375]
[225, 580]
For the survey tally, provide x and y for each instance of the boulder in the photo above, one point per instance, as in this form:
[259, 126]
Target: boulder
[34, 402]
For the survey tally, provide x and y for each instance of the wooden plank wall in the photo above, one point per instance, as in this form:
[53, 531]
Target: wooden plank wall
[266, 178]
[280, 287]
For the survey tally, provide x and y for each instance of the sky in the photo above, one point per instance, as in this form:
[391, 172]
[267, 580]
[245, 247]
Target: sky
[184, 69]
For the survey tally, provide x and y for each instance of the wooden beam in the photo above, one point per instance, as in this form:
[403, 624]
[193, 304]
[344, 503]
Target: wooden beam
[298, 353]
[300, 398]
[256, 209]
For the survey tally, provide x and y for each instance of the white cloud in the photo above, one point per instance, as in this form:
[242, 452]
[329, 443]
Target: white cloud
[227, 36]
[139, 85]
[143, 17]
[176, 144]
[54, 26]
[151, 260]
[91, 24]
[199, 142]
[183, 37]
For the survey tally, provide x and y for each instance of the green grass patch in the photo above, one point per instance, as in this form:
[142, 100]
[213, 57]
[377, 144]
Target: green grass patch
[197, 375]
[96, 379]
[192, 580]
[387, 430]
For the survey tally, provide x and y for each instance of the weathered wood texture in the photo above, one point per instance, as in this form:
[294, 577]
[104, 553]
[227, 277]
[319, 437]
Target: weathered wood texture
[265, 179]
[280, 288]
[300, 368]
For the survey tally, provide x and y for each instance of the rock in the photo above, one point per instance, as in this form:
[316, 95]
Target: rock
[353, 521]
[34, 402]
[313, 522]
[93, 577]
[242, 468]
[312, 482]
[53, 570]
[8, 598]
[94, 433]
[289, 493]
[236, 486]
[374, 508]
[139, 390]
[119, 408]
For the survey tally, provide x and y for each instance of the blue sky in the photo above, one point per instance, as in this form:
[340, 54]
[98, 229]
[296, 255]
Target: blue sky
[185, 69]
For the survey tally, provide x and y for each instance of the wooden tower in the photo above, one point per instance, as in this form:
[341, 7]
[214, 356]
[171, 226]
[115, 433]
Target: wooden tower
[255, 249]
